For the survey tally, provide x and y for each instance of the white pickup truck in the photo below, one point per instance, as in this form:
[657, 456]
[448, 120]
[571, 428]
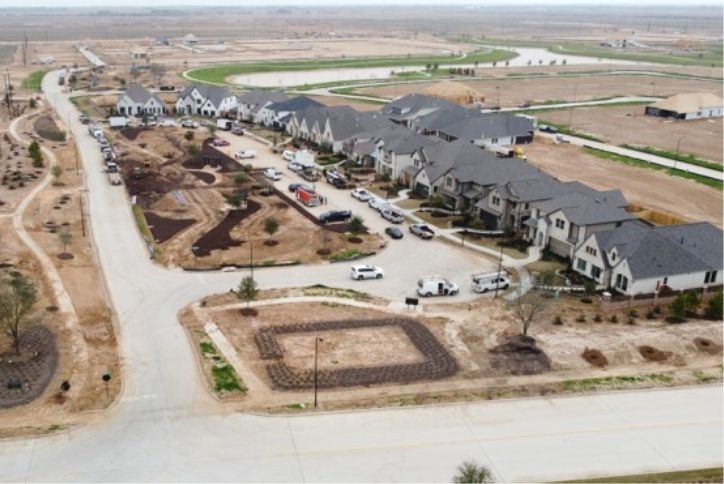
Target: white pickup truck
[115, 178]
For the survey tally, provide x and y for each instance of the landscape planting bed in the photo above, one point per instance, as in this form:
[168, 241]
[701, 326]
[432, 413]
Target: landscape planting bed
[219, 237]
[204, 176]
[164, 228]
[437, 363]
[24, 377]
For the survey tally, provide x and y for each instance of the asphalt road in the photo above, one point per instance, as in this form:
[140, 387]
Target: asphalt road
[167, 428]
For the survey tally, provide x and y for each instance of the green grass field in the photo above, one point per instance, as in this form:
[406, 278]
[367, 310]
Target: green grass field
[642, 164]
[685, 157]
[33, 81]
[711, 57]
[218, 74]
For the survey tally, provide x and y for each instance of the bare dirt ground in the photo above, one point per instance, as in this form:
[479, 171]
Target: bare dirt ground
[628, 124]
[469, 333]
[342, 101]
[648, 188]
[541, 89]
[57, 209]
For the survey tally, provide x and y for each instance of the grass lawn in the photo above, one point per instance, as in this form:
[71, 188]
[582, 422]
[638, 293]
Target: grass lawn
[565, 129]
[225, 379]
[440, 222]
[492, 243]
[218, 74]
[642, 164]
[685, 157]
[410, 203]
[33, 81]
[87, 107]
[714, 474]
[711, 57]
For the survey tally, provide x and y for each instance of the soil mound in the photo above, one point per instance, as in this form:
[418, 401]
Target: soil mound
[594, 357]
[707, 346]
[653, 354]
[520, 355]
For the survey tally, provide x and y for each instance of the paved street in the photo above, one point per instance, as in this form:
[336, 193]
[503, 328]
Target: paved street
[166, 426]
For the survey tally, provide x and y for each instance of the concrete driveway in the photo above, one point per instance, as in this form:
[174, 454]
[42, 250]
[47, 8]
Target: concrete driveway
[166, 427]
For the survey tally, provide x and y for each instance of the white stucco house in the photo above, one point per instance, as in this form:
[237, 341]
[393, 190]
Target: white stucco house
[204, 100]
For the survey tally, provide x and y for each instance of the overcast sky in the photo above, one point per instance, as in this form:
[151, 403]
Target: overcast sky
[252, 3]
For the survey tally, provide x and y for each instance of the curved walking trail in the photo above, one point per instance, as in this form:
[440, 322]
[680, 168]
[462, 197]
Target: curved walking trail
[66, 309]
[167, 427]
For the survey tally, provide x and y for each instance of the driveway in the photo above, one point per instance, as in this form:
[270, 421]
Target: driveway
[166, 427]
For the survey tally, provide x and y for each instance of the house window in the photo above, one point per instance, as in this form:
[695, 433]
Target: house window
[526, 205]
[496, 201]
[581, 265]
[621, 282]
[448, 182]
[710, 277]
[595, 272]
[495, 140]
[591, 251]
[560, 224]
[613, 256]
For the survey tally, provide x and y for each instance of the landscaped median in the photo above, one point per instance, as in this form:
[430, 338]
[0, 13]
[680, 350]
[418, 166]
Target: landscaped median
[219, 74]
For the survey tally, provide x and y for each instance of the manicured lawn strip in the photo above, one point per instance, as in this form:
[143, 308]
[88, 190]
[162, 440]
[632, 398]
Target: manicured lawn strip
[642, 164]
[714, 474]
[588, 384]
[34, 80]
[218, 74]
[607, 105]
[707, 59]
[565, 129]
[685, 157]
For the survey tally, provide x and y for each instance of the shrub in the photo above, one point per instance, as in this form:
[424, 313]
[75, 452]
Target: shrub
[558, 320]
[631, 320]
[714, 307]
[597, 318]
[650, 314]
[581, 318]
[613, 319]
[590, 287]
[189, 135]
[657, 309]
[633, 313]
[678, 308]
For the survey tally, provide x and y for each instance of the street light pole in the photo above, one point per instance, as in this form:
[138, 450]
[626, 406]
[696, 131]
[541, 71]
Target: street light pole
[317, 340]
[497, 279]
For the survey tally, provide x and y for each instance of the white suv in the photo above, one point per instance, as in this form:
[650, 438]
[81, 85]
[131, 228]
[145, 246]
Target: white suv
[366, 272]
[376, 203]
[361, 194]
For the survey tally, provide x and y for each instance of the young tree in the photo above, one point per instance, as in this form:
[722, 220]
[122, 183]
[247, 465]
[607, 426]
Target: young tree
[135, 72]
[271, 226]
[65, 238]
[17, 299]
[356, 225]
[678, 307]
[36, 154]
[189, 135]
[714, 307]
[527, 308]
[248, 290]
[236, 200]
[193, 149]
[470, 472]
[240, 179]
[32, 103]
[56, 171]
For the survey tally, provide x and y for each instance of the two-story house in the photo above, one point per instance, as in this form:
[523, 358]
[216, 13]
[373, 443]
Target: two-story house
[205, 100]
[637, 258]
[250, 103]
[278, 115]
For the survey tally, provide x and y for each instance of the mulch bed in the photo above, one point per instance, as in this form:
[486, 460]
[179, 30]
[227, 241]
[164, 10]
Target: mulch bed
[520, 355]
[212, 157]
[219, 238]
[24, 377]
[132, 133]
[152, 187]
[438, 363]
[204, 176]
[707, 346]
[163, 228]
[65, 256]
[653, 354]
[46, 127]
[594, 357]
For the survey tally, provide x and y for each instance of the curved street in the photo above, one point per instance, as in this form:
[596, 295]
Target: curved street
[166, 427]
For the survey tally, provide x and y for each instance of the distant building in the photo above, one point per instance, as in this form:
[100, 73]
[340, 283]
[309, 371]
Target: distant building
[687, 106]
[139, 53]
[139, 101]
[190, 40]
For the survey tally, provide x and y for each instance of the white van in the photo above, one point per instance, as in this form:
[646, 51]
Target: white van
[482, 283]
[436, 286]
[288, 155]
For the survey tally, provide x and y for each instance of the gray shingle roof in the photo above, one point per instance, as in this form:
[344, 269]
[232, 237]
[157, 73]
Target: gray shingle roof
[259, 97]
[294, 104]
[215, 94]
[414, 105]
[490, 125]
[140, 95]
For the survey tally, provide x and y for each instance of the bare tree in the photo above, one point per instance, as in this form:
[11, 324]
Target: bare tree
[157, 71]
[527, 307]
[17, 299]
[135, 72]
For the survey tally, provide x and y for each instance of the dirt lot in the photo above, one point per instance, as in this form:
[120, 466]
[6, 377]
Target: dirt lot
[341, 101]
[648, 188]
[628, 124]
[540, 89]
[483, 339]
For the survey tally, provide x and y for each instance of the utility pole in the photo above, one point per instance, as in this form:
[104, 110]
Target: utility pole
[25, 49]
[575, 97]
[317, 340]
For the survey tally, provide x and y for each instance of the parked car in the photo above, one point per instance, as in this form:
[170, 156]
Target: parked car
[310, 174]
[547, 129]
[273, 174]
[336, 179]
[84, 119]
[524, 105]
[294, 166]
[394, 232]
[167, 123]
[375, 202]
[220, 142]
[335, 216]
[167, 87]
[294, 186]
[114, 178]
[482, 283]
[422, 231]
[112, 167]
[393, 215]
[361, 194]
[237, 130]
[245, 154]
[436, 286]
[288, 155]
[361, 272]
[189, 123]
